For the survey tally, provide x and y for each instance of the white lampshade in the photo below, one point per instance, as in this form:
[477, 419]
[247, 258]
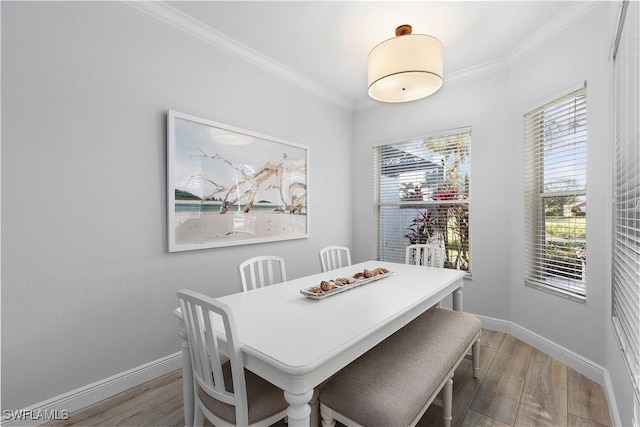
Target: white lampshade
[405, 68]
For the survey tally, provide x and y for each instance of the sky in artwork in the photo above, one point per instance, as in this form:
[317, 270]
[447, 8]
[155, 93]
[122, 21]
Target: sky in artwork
[196, 171]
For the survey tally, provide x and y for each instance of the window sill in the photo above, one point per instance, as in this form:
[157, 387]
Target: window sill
[556, 291]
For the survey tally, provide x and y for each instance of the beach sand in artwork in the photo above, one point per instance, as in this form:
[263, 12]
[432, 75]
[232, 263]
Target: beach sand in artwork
[213, 227]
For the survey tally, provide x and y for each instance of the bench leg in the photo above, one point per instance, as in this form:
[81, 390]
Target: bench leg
[475, 356]
[447, 402]
[327, 416]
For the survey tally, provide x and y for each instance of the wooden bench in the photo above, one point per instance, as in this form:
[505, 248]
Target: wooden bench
[394, 383]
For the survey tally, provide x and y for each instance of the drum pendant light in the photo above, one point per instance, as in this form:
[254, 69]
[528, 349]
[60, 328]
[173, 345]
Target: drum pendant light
[406, 67]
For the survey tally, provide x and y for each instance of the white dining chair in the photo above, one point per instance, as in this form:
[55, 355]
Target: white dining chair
[225, 392]
[333, 257]
[425, 255]
[262, 271]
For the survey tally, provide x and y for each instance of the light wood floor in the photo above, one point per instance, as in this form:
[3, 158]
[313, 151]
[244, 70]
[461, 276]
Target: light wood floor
[518, 386]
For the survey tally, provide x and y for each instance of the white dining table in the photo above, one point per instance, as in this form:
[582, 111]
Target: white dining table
[297, 343]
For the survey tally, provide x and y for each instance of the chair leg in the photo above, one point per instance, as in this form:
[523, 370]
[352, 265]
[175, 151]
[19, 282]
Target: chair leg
[447, 398]
[327, 416]
[198, 416]
[475, 356]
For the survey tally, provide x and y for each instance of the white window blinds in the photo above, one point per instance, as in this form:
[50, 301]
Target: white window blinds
[626, 192]
[422, 196]
[555, 195]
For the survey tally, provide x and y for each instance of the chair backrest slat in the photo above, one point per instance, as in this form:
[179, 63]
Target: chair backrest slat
[262, 271]
[426, 255]
[333, 257]
[214, 354]
[206, 320]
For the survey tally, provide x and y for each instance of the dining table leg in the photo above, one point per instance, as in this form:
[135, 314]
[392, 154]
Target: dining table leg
[299, 411]
[457, 299]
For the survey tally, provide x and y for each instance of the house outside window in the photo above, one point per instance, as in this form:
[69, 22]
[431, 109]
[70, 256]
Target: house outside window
[556, 196]
[422, 196]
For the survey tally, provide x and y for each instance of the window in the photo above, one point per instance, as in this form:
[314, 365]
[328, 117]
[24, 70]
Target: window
[625, 264]
[555, 195]
[422, 196]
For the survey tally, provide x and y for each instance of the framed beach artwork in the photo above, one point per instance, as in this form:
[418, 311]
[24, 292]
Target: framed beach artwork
[230, 186]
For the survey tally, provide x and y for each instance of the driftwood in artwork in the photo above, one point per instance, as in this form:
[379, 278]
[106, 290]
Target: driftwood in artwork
[293, 197]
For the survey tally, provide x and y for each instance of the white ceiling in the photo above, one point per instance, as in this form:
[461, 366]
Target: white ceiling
[323, 45]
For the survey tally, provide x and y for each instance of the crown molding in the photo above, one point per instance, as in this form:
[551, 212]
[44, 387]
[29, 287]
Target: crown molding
[561, 22]
[195, 28]
[475, 71]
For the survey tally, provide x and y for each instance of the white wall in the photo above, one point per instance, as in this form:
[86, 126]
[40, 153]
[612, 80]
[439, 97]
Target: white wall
[482, 104]
[88, 287]
[494, 105]
[577, 54]
[582, 52]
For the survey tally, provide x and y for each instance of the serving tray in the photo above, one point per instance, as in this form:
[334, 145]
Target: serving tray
[342, 288]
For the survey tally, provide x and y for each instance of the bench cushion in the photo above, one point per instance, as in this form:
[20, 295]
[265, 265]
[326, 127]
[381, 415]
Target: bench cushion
[391, 383]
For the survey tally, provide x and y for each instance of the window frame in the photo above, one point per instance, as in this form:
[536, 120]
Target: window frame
[551, 273]
[429, 203]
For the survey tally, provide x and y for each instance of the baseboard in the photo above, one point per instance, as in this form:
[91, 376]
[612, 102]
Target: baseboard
[93, 393]
[573, 360]
[576, 362]
[59, 407]
[613, 406]
[493, 324]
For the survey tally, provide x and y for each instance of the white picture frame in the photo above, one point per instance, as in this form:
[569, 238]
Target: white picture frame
[229, 186]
